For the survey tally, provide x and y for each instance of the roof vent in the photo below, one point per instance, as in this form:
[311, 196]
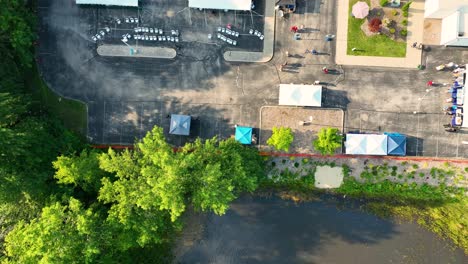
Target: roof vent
[461, 34]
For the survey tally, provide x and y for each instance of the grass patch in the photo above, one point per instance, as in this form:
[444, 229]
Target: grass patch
[378, 45]
[72, 113]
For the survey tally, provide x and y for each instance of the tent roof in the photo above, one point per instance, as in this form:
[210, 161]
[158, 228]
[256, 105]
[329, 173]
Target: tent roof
[221, 4]
[300, 95]
[108, 2]
[180, 125]
[244, 134]
[366, 144]
[396, 144]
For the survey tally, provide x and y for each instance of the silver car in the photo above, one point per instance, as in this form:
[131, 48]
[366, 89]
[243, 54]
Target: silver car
[127, 20]
[151, 30]
[160, 31]
[146, 37]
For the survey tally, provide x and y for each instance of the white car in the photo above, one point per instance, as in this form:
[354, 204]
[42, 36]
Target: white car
[262, 37]
[219, 29]
[135, 29]
[98, 36]
[129, 36]
[146, 30]
[94, 38]
[234, 43]
[159, 38]
[107, 29]
[127, 20]
[151, 30]
[163, 38]
[135, 37]
[132, 20]
[223, 38]
[172, 39]
[124, 40]
[228, 31]
[102, 32]
[251, 31]
[136, 20]
[146, 37]
[175, 33]
[229, 41]
[118, 21]
[176, 39]
[151, 38]
[160, 31]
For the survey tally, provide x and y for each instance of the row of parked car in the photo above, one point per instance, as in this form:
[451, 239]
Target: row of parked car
[127, 36]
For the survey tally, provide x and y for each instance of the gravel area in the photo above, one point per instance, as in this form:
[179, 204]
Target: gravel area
[305, 123]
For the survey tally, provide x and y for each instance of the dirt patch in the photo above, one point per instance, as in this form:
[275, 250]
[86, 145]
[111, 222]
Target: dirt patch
[304, 122]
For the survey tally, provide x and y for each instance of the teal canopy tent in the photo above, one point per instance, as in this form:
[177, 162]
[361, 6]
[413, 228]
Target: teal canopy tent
[244, 135]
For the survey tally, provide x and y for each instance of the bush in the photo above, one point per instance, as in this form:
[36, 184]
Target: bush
[383, 2]
[404, 32]
[405, 13]
[329, 139]
[406, 6]
[394, 12]
[374, 25]
[281, 138]
[391, 30]
[404, 22]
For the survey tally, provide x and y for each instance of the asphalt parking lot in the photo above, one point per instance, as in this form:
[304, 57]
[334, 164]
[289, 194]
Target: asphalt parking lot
[126, 97]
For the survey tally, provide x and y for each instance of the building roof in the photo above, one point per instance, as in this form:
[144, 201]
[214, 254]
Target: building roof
[244, 135]
[180, 125]
[221, 4]
[108, 2]
[300, 95]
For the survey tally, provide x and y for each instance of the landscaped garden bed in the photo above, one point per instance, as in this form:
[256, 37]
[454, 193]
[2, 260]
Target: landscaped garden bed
[381, 33]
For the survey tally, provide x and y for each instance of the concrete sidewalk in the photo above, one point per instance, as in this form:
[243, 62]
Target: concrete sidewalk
[146, 52]
[268, 41]
[415, 34]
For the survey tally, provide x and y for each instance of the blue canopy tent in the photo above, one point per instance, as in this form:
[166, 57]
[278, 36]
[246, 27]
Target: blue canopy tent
[396, 144]
[244, 134]
[180, 125]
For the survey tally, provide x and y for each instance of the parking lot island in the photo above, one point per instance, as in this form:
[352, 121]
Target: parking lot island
[147, 52]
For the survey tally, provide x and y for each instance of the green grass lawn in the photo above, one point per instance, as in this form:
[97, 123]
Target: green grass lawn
[379, 45]
[72, 113]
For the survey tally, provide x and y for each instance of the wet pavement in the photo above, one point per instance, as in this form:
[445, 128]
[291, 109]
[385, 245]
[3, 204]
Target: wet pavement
[271, 230]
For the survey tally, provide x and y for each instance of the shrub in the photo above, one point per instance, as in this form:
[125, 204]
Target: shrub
[394, 12]
[405, 13]
[406, 6]
[404, 22]
[328, 141]
[281, 138]
[383, 2]
[387, 22]
[391, 30]
[374, 25]
[296, 164]
[379, 13]
[404, 32]
[273, 164]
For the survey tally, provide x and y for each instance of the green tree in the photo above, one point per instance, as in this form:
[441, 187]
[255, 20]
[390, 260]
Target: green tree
[281, 138]
[329, 139]
[81, 171]
[62, 234]
[16, 32]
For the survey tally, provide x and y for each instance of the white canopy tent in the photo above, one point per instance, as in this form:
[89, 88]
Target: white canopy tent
[242, 5]
[108, 2]
[300, 95]
[366, 144]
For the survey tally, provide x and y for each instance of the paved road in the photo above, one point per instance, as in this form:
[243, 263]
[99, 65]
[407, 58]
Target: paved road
[127, 96]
